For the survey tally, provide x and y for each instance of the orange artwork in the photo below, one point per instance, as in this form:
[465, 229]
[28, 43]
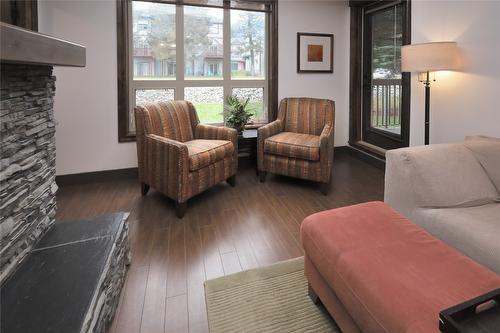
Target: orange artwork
[314, 53]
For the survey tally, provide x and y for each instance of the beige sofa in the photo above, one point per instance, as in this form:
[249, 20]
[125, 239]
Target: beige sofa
[452, 191]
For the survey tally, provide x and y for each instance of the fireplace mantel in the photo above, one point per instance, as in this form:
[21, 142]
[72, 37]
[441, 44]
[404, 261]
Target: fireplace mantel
[22, 46]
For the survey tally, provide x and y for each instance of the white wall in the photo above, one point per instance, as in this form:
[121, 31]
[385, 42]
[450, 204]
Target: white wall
[321, 17]
[466, 102]
[462, 103]
[86, 98]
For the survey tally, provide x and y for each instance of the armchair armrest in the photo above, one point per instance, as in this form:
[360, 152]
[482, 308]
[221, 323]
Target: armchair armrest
[263, 133]
[326, 147]
[270, 129]
[211, 132]
[165, 165]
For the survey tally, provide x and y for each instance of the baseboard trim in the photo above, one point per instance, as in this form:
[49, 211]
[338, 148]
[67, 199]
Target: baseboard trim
[367, 157]
[341, 149]
[96, 177]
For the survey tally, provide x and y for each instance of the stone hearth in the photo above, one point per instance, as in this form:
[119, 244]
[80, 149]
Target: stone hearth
[71, 280]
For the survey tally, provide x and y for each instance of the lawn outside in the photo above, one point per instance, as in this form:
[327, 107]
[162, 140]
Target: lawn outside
[213, 112]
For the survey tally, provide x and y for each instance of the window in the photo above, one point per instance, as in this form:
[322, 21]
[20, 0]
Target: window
[200, 43]
[199, 53]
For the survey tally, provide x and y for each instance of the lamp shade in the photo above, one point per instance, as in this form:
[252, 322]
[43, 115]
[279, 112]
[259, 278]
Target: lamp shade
[428, 57]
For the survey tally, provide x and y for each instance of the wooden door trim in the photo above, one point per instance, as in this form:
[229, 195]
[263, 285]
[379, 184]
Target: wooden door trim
[356, 72]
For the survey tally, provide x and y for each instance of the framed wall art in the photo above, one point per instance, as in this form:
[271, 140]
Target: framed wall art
[314, 53]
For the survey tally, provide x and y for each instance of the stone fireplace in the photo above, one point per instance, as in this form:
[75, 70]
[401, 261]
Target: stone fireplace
[27, 164]
[61, 277]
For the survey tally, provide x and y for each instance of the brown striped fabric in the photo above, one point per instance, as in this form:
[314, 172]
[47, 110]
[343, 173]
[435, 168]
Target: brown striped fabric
[307, 115]
[177, 155]
[309, 153]
[295, 145]
[210, 132]
[209, 176]
[175, 121]
[263, 133]
[205, 152]
[294, 167]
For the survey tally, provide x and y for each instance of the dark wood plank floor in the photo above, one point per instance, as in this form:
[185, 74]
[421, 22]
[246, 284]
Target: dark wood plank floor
[225, 230]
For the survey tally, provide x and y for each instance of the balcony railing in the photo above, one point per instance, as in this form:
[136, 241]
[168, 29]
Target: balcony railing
[386, 105]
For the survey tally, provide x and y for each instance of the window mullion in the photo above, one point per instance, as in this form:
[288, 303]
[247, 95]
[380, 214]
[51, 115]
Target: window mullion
[226, 42]
[130, 64]
[179, 54]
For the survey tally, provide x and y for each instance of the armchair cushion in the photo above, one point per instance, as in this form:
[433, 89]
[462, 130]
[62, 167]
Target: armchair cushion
[293, 145]
[202, 153]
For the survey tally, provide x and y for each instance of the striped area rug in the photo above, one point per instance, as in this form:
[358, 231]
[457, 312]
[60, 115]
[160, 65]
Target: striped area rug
[268, 299]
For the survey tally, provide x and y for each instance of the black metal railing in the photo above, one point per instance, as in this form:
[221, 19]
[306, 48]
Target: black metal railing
[386, 104]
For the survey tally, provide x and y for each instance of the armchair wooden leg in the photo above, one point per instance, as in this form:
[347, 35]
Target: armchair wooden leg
[325, 187]
[262, 176]
[144, 188]
[180, 209]
[312, 294]
[232, 180]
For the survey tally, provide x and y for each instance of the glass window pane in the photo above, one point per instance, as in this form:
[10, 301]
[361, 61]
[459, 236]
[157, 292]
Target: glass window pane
[204, 2]
[153, 29]
[208, 101]
[149, 95]
[248, 37]
[387, 38]
[153, 95]
[203, 48]
[256, 102]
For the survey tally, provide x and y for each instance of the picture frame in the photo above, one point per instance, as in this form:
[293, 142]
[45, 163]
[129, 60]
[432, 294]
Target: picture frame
[314, 52]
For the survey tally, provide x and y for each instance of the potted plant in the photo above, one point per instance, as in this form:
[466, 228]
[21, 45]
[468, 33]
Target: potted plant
[237, 113]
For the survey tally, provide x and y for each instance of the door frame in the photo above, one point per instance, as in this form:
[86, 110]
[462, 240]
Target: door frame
[356, 81]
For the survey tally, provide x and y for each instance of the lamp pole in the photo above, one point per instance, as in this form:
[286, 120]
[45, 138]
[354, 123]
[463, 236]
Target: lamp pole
[427, 84]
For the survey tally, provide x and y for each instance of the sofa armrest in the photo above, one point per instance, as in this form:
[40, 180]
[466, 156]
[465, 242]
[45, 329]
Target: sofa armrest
[398, 191]
[263, 133]
[435, 176]
[165, 165]
[211, 132]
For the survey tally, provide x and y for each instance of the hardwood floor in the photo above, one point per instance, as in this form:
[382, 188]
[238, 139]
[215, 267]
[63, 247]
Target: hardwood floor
[225, 230]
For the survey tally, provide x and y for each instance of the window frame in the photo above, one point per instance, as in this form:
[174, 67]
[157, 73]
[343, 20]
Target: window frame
[127, 85]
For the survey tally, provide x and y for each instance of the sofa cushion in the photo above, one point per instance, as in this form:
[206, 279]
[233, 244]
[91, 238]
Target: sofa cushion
[294, 145]
[487, 151]
[205, 152]
[446, 175]
[390, 274]
[474, 231]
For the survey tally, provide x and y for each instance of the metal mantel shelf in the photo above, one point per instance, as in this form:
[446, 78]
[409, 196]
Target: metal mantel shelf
[22, 46]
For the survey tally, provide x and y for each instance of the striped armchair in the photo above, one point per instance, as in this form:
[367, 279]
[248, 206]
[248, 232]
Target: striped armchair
[300, 142]
[180, 157]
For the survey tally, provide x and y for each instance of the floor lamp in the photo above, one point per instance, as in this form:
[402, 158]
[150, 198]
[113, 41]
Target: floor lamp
[425, 59]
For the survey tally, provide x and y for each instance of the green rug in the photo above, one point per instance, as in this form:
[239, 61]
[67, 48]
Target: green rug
[268, 299]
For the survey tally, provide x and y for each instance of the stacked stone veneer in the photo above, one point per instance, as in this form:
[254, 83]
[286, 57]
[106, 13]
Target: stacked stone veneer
[107, 295]
[27, 160]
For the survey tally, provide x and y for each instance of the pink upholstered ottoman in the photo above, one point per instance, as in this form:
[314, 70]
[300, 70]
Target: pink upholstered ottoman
[376, 271]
